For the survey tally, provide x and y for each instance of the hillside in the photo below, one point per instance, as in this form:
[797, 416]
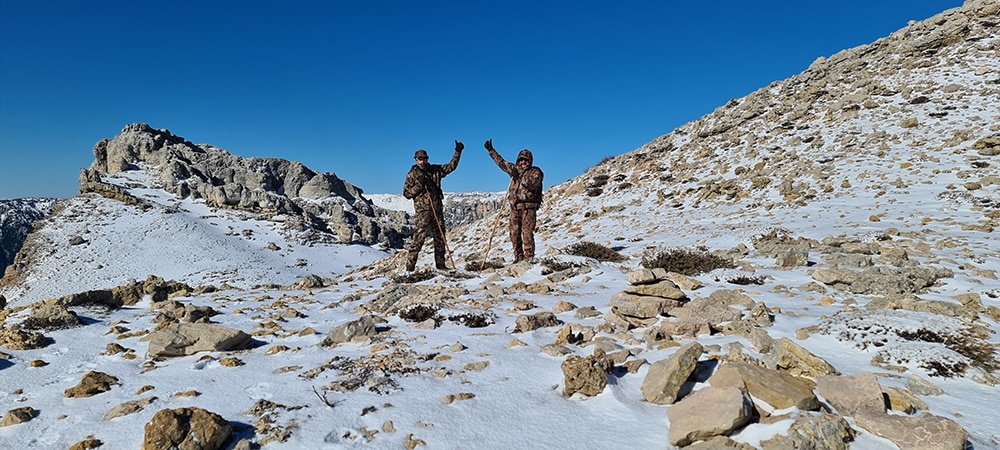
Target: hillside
[813, 265]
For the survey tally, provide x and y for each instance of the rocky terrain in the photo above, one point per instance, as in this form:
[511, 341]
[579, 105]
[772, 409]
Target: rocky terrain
[16, 219]
[813, 265]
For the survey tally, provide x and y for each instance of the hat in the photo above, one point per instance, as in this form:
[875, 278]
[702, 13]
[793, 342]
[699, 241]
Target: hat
[420, 154]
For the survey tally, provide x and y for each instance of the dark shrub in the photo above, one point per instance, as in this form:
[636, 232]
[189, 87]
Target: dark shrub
[746, 279]
[685, 261]
[419, 313]
[596, 251]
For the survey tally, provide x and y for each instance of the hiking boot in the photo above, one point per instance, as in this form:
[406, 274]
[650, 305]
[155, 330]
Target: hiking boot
[441, 267]
[411, 266]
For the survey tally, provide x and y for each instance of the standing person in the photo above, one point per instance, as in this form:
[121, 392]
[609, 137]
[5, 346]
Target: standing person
[525, 196]
[423, 186]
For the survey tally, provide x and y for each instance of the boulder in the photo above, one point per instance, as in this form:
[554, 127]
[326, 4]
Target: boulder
[923, 432]
[706, 413]
[778, 389]
[93, 383]
[186, 428]
[665, 378]
[181, 339]
[852, 394]
[587, 376]
[360, 330]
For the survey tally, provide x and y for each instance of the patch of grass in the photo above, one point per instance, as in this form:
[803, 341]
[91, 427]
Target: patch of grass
[685, 261]
[596, 251]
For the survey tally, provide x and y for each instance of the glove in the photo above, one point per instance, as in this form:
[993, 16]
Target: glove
[459, 146]
[489, 145]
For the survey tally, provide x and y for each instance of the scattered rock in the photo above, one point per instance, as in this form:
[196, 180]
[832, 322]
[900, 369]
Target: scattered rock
[362, 330]
[587, 376]
[665, 378]
[18, 415]
[535, 321]
[186, 428]
[93, 383]
[706, 413]
[180, 339]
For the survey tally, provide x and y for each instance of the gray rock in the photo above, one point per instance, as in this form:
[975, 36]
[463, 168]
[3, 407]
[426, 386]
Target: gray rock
[923, 432]
[814, 432]
[920, 386]
[525, 323]
[587, 376]
[180, 339]
[852, 394]
[360, 330]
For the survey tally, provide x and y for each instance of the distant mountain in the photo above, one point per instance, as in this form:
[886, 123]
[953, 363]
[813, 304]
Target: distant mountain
[460, 208]
[16, 219]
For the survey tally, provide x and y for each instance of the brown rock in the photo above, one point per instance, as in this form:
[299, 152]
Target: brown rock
[93, 383]
[923, 432]
[778, 389]
[587, 376]
[18, 415]
[665, 378]
[852, 394]
[706, 413]
[186, 428]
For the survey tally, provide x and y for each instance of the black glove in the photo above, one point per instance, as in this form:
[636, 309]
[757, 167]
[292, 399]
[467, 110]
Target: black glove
[489, 145]
[459, 146]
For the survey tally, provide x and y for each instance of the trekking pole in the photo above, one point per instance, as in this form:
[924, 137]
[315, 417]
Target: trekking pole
[447, 251]
[493, 230]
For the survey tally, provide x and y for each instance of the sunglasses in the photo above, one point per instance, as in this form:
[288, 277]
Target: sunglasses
[420, 159]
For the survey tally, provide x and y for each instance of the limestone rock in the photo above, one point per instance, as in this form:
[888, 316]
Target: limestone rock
[93, 383]
[814, 432]
[776, 388]
[18, 339]
[923, 432]
[127, 408]
[798, 361]
[665, 378]
[920, 386]
[852, 394]
[50, 316]
[535, 321]
[186, 428]
[180, 339]
[360, 330]
[662, 289]
[18, 415]
[708, 412]
[587, 376]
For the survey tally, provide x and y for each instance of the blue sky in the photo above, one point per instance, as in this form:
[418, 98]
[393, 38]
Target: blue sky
[355, 88]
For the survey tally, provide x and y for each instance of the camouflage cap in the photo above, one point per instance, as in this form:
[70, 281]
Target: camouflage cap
[420, 154]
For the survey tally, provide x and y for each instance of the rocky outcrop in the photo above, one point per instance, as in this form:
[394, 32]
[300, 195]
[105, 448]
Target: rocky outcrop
[260, 185]
[16, 219]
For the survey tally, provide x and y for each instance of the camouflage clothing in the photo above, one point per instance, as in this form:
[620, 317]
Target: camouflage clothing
[525, 196]
[423, 186]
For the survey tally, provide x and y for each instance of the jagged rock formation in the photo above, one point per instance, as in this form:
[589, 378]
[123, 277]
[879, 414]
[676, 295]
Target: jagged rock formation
[259, 185]
[16, 218]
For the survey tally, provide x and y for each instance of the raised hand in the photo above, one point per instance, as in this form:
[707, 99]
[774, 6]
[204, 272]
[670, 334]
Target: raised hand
[489, 145]
[459, 146]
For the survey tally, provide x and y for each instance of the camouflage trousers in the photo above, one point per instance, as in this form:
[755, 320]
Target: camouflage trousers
[426, 224]
[522, 233]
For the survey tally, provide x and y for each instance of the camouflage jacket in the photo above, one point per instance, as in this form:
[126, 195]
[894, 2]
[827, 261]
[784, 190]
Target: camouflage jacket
[525, 190]
[428, 179]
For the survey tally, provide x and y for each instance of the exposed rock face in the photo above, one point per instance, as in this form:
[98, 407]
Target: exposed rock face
[259, 185]
[16, 218]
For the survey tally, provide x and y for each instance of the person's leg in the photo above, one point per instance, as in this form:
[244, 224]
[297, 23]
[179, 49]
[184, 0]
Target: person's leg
[417, 242]
[515, 234]
[439, 246]
[528, 221]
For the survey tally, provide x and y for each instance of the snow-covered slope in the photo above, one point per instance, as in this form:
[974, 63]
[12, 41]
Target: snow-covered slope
[859, 198]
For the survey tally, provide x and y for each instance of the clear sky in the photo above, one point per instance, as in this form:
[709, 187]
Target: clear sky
[354, 88]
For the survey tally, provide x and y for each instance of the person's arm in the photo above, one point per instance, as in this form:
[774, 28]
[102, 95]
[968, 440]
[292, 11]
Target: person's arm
[501, 163]
[413, 185]
[453, 164]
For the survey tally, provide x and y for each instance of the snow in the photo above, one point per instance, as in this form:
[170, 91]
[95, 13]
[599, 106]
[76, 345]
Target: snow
[517, 398]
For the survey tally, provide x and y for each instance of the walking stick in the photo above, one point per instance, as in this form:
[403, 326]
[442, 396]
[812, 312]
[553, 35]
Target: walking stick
[493, 230]
[447, 251]
[489, 243]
